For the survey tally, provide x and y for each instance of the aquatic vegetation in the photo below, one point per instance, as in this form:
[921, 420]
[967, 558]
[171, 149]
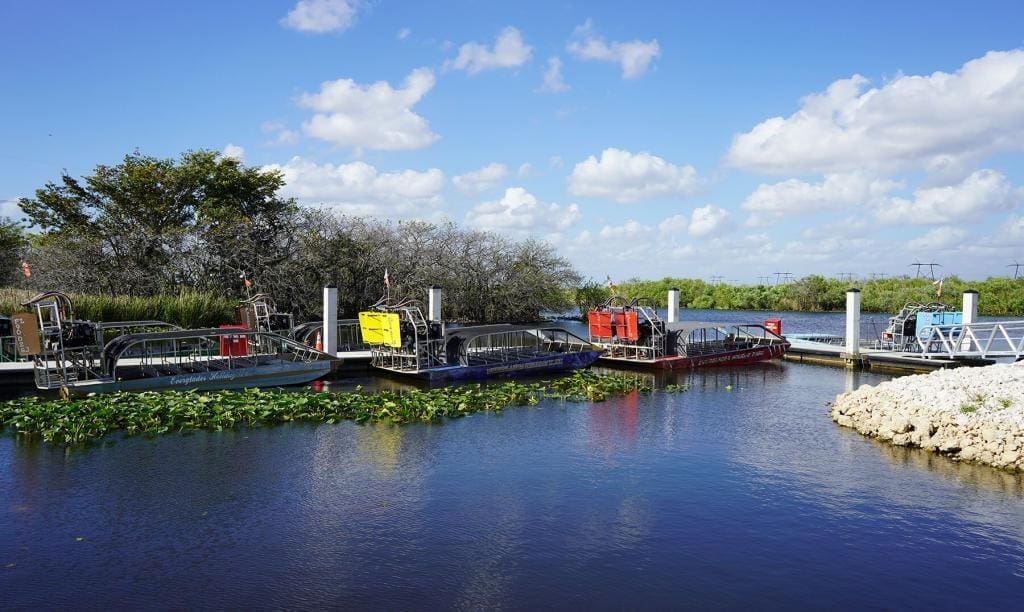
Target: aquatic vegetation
[79, 420]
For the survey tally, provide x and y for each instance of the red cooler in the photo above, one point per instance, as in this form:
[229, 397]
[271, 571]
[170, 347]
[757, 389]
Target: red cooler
[234, 346]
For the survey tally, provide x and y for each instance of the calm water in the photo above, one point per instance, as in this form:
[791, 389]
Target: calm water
[738, 493]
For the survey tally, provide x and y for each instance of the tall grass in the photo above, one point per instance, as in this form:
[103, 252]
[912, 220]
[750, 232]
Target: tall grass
[188, 309]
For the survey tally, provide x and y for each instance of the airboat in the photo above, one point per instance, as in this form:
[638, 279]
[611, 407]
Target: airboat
[260, 312]
[80, 357]
[631, 333]
[402, 341]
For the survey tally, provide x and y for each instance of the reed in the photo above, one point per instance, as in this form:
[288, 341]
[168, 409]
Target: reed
[189, 309]
[76, 421]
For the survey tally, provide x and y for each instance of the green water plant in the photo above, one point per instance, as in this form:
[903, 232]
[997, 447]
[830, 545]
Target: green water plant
[80, 420]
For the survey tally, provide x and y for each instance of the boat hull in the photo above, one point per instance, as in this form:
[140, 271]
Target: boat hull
[271, 375]
[722, 359]
[555, 362]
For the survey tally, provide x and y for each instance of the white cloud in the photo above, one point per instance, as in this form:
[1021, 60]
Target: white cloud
[358, 188]
[1011, 233]
[404, 33]
[524, 170]
[938, 239]
[9, 208]
[933, 122]
[631, 230]
[482, 179]
[374, 116]
[553, 81]
[634, 57]
[320, 16]
[708, 221]
[555, 161]
[233, 151]
[850, 227]
[674, 225]
[981, 193]
[282, 134]
[509, 52]
[769, 202]
[629, 177]
[519, 211]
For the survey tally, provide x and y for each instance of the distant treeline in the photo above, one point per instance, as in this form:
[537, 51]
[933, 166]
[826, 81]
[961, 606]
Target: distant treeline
[998, 296]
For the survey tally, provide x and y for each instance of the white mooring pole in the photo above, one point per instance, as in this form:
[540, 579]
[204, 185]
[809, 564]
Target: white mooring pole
[330, 331]
[852, 355]
[673, 305]
[970, 313]
[434, 304]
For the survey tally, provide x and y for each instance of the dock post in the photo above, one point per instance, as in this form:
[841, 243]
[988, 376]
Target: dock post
[673, 305]
[970, 313]
[434, 304]
[330, 330]
[852, 356]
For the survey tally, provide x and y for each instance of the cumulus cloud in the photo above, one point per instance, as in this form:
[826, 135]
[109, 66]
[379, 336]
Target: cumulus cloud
[9, 209]
[708, 221]
[630, 177]
[233, 151]
[524, 170]
[519, 211]
[932, 122]
[553, 81]
[770, 202]
[631, 230]
[482, 179]
[404, 33]
[320, 16]
[374, 116]
[938, 239]
[983, 192]
[674, 225]
[1011, 233]
[358, 187]
[634, 56]
[509, 52]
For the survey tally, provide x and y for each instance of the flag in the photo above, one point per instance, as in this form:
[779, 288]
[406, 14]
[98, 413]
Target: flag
[938, 287]
[248, 283]
[611, 285]
[387, 281]
[26, 269]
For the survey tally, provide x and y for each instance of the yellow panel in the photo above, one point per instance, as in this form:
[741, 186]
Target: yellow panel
[380, 328]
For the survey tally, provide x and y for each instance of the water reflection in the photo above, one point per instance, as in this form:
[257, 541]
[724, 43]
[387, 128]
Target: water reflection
[739, 491]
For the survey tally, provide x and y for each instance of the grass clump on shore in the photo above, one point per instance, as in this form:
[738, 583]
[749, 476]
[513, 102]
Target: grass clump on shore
[76, 421]
[187, 308]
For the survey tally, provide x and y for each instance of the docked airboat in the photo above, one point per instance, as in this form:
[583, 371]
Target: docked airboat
[80, 357]
[402, 341]
[631, 333]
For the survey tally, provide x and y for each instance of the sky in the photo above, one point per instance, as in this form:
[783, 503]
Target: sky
[727, 140]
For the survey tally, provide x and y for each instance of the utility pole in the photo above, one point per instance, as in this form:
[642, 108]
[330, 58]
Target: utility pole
[846, 276]
[1016, 268]
[931, 269]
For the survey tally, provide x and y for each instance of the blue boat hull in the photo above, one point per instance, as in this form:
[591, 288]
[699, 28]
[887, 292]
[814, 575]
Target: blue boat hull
[555, 362]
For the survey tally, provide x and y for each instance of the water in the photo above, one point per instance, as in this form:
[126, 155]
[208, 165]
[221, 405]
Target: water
[739, 493]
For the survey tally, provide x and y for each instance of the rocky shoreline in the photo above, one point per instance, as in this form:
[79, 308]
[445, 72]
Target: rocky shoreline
[969, 414]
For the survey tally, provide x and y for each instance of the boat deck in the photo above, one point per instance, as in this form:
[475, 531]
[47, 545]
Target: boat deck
[829, 353]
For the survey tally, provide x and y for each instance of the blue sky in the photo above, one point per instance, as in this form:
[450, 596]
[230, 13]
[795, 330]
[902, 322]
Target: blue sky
[641, 139]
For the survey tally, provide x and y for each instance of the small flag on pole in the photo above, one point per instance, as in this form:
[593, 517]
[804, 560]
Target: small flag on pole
[611, 285]
[938, 287]
[26, 269]
[387, 281]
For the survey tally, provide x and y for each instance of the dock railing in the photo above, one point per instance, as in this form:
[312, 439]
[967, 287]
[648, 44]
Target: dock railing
[981, 340]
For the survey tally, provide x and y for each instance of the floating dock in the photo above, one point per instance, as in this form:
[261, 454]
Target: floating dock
[809, 351]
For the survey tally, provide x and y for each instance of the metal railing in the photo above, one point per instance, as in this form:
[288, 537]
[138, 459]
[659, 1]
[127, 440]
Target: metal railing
[982, 340]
